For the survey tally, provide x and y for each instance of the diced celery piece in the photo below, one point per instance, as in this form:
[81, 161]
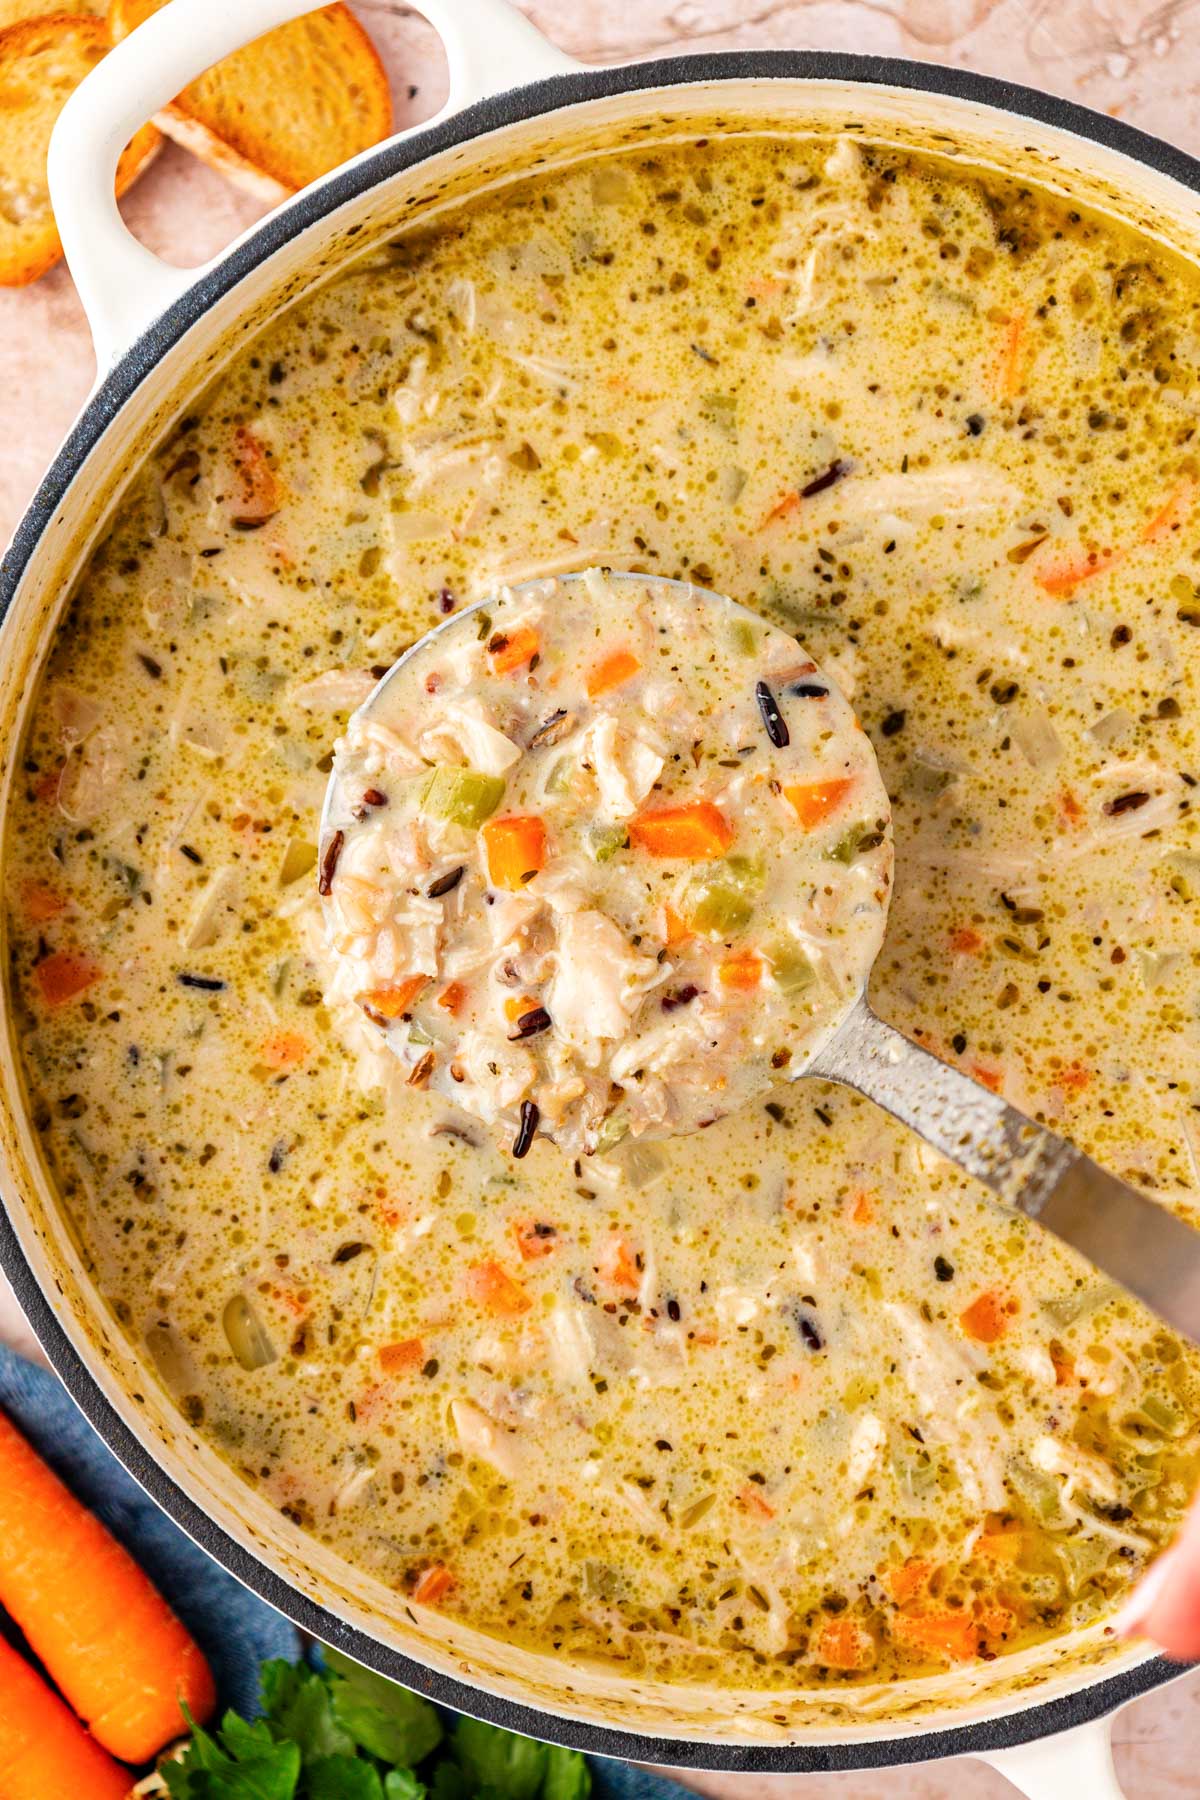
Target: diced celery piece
[559, 779]
[247, 1334]
[721, 900]
[1037, 1491]
[605, 840]
[860, 838]
[462, 795]
[1065, 1309]
[1161, 1415]
[743, 636]
[719, 909]
[721, 412]
[298, 859]
[611, 1133]
[1082, 1558]
[790, 967]
[749, 872]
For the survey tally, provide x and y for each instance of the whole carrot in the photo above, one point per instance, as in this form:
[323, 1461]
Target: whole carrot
[44, 1750]
[106, 1636]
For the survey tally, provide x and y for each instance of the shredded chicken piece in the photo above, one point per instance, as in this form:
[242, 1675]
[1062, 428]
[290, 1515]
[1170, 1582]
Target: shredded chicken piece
[1081, 1468]
[484, 1437]
[940, 1374]
[959, 487]
[625, 765]
[462, 733]
[336, 691]
[598, 981]
[571, 1349]
[867, 1441]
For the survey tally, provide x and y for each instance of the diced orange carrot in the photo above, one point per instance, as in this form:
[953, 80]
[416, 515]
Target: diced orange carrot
[1012, 347]
[1073, 1079]
[751, 1501]
[516, 849]
[988, 1078]
[1064, 1368]
[261, 492]
[1002, 1546]
[697, 831]
[986, 1319]
[965, 941]
[65, 975]
[765, 287]
[401, 1358]
[617, 1266]
[677, 931]
[517, 1005]
[743, 971]
[41, 903]
[844, 1644]
[433, 1584]
[953, 1635]
[612, 671]
[862, 1207]
[1171, 514]
[514, 651]
[996, 1621]
[1070, 808]
[908, 1579]
[1060, 579]
[494, 1289]
[284, 1050]
[782, 508]
[814, 802]
[451, 998]
[393, 1002]
[535, 1238]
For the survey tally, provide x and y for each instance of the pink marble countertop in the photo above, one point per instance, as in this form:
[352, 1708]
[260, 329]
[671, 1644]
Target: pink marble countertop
[1138, 59]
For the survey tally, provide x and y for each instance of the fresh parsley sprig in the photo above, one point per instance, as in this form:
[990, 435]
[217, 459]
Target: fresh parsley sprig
[344, 1733]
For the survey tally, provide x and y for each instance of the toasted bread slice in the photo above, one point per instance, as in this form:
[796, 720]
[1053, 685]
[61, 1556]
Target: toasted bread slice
[285, 109]
[41, 62]
[15, 12]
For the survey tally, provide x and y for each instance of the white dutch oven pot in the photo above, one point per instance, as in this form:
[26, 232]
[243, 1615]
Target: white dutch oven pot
[160, 334]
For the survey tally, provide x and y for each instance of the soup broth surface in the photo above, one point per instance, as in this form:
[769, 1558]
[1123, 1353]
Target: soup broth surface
[785, 1402]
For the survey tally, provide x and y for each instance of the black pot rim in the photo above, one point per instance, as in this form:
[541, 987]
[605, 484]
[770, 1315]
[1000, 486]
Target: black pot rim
[1009, 1728]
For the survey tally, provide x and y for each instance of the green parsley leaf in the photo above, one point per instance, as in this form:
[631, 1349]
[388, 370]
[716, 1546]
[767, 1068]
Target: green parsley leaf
[567, 1775]
[513, 1766]
[245, 1764]
[299, 1710]
[387, 1721]
[342, 1778]
[402, 1784]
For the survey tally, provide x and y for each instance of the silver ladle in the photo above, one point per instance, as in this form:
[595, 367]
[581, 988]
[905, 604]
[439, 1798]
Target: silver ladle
[1026, 1167]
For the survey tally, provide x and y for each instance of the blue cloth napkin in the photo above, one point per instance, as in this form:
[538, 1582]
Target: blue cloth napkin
[236, 1630]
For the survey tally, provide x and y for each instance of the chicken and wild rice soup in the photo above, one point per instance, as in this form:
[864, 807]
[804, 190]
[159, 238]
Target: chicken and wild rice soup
[563, 827]
[780, 1403]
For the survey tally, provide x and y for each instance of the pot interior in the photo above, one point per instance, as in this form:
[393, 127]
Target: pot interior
[392, 192]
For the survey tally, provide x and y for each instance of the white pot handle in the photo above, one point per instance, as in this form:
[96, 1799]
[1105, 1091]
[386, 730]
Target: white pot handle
[1072, 1765]
[490, 47]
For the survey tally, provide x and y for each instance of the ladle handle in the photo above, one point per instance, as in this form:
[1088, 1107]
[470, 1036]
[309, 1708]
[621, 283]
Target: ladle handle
[1033, 1170]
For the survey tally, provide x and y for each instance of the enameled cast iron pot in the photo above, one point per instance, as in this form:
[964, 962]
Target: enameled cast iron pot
[161, 334]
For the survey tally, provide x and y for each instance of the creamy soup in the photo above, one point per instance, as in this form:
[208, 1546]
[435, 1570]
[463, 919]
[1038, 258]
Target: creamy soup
[606, 860]
[788, 1401]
